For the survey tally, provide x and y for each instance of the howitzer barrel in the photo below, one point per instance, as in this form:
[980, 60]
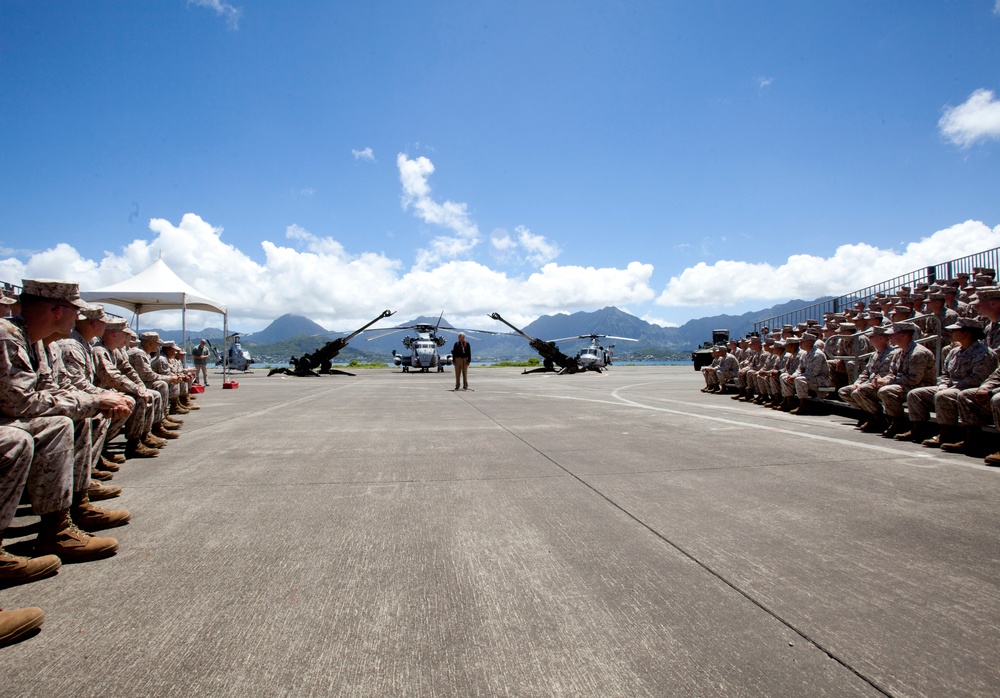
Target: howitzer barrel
[547, 350]
[324, 355]
[496, 316]
[385, 313]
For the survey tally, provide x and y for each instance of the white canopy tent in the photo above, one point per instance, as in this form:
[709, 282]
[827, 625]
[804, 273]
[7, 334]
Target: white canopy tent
[157, 288]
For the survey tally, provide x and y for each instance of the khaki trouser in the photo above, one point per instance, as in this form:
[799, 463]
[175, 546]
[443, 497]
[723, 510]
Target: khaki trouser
[461, 373]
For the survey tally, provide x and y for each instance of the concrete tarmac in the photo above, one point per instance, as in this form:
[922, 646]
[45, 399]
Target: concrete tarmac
[616, 534]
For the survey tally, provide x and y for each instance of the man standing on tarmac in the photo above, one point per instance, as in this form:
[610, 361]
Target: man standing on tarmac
[200, 355]
[461, 355]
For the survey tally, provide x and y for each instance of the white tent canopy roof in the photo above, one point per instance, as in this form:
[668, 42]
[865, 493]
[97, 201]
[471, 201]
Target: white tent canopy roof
[155, 288]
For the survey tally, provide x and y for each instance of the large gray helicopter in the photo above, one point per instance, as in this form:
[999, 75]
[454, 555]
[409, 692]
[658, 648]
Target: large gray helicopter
[422, 349]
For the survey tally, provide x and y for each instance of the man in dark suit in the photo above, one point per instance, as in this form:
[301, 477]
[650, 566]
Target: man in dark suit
[461, 354]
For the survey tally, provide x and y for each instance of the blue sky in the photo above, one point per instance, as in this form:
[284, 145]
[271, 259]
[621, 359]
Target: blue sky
[331, 159]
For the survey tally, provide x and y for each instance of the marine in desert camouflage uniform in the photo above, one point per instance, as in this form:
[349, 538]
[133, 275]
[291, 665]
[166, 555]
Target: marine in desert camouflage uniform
[139, 443]
[813, 372]
[753, 359]
[966, 367]
[912, 367]
[165, 384]
[73, 368]
[32, 401]
[161, 428]
[863, 392]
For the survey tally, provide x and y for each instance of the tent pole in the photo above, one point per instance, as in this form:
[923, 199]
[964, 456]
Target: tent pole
[184, 330]
[225, 349]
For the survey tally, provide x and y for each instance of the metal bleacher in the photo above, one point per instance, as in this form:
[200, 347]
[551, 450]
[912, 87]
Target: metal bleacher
[945, 270]
[932, 339]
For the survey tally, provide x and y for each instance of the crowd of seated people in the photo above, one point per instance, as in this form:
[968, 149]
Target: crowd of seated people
[897, 359]
[72, 380]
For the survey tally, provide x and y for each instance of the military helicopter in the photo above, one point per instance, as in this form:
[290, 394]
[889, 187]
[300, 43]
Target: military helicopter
[423, 348]
[595, 357]
[237, 357]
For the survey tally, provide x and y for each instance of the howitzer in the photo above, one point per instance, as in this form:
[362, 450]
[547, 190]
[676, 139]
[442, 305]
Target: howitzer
[551, 356]
[323, 357]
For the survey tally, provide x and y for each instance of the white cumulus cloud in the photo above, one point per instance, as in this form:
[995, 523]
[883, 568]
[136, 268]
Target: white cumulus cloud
[450, 215]
[978, 118]
[231, 13]
[537, 248]
[315, 276]
[366, 154]
[522, 247]
[652, 320]
[807, 276]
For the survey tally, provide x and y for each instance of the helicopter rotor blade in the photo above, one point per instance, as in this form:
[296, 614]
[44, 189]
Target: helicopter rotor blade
[465, 332]
[392, 331]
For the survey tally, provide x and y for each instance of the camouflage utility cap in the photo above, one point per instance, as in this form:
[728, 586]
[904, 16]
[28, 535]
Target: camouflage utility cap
[54, 289]
[966, 323]
[92, 312]
[898, 327]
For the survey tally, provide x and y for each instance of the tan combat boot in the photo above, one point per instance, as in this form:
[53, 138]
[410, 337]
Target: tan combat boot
[97, 491]
[188, 403]
[109, 465]
[113, 457]
[176, 407]
[153, 441]
[18, 622]
[136, 449]
[103, 475]
[90, 518]
[164, 434]
[59, 536]
[15, 569]
[171, 424]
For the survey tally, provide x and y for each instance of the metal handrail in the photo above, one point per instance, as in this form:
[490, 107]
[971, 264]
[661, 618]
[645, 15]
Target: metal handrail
[945, 270]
